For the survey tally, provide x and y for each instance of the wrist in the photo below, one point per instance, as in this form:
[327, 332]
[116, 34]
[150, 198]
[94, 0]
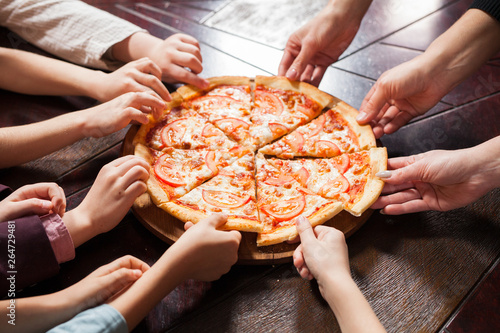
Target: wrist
[346, 11]
[79, 226]
[135, 47]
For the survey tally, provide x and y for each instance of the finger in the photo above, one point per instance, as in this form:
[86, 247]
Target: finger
[285, 63]
[188, 39]
[179, 74]
[317, 75]
[127, 261]
[298, 257]
[33, 206]
[393, 188]
[135, 115]
[371, 105]
[236, 234]
[191, 49]
[58, 199]
[137, 173]
[188, 225]
[152, 82]
[389, 115]
[305, 273]
[409, 207]
[150, 67]
[397, 198]
[183, 59]
[117, 280]
[307, 74]
[305, 230]
[301, 61]
[125, 165]
[214, 220]
[399, 121]
[150, 99]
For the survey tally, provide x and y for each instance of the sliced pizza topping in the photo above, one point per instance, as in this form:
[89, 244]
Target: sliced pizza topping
[224, 199]
[279, 180]
[296, 141]
[211, 163]
[174, 132]
[338, 185]
[165, 171]
[285, 210]
[231, 124]
[326, 148]
[278, 129]
[267, 102]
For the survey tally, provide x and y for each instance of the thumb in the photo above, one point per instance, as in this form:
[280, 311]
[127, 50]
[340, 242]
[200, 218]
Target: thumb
[373, 102]
[305, 230]
[214, 220]
[412, 172]
[300, 63]
[33, 206]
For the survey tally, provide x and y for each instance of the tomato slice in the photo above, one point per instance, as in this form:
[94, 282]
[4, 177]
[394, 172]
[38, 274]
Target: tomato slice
[224, 199]
[278, 129]
[267, 102]
[211, 163]
[215, 102]
[326, 148]
[173, 132]
[209, 130]
[285, 210]
[231, 124]
[338, 185]
[280, 180]
[166, 173]
[306, 111]
[319, 122]
[302, 175]
[342, 163]
[295, 140]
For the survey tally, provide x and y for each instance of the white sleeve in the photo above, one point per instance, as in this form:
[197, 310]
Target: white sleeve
[69, 29]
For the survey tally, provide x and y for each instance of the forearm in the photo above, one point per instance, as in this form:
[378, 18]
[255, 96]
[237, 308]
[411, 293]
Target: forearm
[135, 47]
[350, 307]
[35, 314]
[463, 48]
[484, 162]
[354, 10]
[21, 144]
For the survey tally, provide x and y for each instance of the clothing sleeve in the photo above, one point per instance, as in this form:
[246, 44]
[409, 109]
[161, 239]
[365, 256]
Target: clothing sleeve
[59, 237]
[491, 7]
[26, 255]
[69, 29]
[103, 319]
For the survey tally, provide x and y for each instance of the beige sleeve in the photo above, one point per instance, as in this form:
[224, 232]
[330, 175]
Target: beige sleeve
[69, 29]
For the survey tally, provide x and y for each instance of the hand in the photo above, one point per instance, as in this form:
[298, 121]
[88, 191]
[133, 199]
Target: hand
[322, 253]
[180, 60]
[137, 76]
[401, 94]
[103, 283]
[207, 253]
[311, 49]
[37, 199]
[116, 187]
[436, 180]
[114, 115]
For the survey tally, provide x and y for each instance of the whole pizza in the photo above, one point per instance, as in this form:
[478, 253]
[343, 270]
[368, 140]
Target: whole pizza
[263, 151]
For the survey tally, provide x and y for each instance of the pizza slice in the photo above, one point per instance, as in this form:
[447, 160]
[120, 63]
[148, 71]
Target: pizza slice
[281, 105]
[281, 199]
[225, 103]
[333, 133]
[231, 192]
[348, 178]
[181, 128]
[175, 172]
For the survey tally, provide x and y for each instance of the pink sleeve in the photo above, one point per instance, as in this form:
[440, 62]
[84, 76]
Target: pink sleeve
[59, 237]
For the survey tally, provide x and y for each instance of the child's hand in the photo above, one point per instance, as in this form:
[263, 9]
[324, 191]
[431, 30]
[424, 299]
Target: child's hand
[180, 60]
[104, 283]
[116, 187]
[322, 252]
[38, 199]
[114, 115]
[137, 76]
[204, 252]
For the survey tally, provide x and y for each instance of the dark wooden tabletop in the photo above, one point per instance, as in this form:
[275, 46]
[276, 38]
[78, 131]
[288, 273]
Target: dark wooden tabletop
[422, 272]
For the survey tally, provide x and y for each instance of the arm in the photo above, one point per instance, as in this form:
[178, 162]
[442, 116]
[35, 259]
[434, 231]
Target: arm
[44, 137]
[39, 75]
[311, 49]
[440, 180]
[322, 254]
[202, 252]
[414, 87]
[38, 314]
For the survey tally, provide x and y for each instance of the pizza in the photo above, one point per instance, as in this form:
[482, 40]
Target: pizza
[263, 151]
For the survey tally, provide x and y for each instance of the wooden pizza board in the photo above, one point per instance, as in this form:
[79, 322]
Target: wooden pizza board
[169, 228]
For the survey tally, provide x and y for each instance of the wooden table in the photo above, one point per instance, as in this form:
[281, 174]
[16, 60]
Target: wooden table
[423, 272]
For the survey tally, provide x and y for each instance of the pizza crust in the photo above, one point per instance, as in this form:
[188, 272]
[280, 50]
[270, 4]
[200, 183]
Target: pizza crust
[281, 82]
[189, 91]
[374, 185]
[186, 214]
[366, 139]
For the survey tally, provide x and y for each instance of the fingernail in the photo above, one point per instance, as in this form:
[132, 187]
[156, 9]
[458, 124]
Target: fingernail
[301, 219]
[361, 116]
[384, 174]
[46, 204]
[137, 273]
[382, 212]
[291, 74]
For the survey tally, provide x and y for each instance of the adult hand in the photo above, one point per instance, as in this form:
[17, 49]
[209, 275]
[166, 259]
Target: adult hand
[322, 253]
[38, 199]
[141, 75]
[207, 253]
[435, 180]
[311, 49]
[179, 58]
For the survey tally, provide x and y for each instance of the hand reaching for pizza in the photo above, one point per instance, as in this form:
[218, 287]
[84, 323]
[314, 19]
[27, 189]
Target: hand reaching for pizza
[204, 252]
[38, 199]
[180, 60]
[322, 253]
[399, 95]
[116, 187]
[114, 115]
[311, 49]
[136, 76]
[439, 180]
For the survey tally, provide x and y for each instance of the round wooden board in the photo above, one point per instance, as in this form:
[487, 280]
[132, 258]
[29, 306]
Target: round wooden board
[169, 228]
